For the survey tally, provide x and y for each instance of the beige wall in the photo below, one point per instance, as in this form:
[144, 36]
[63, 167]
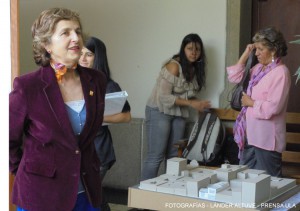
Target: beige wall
[5, 87]
[141, 34]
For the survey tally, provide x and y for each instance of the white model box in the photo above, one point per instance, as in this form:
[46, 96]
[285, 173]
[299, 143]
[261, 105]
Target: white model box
[169, 177]
[230, 195]
[203, 194]
[224, 196]
[176, 165]
[236, 183]
[193, 185]
[200, 172]
[228, 172]
[280, 185]
[180, 188]
[251, 173]
[217, 187]
[256, 190]
[151, 184]
[166, 188]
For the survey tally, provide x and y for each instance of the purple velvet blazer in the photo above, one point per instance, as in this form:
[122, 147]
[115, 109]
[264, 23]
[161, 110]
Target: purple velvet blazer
[44, 154]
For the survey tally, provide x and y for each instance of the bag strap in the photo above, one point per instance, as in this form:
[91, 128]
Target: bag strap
[199, 124]
[209, 128]
[208, 132]
[252, 60]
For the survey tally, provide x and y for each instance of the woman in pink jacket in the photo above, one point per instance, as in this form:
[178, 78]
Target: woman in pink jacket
[260, 128]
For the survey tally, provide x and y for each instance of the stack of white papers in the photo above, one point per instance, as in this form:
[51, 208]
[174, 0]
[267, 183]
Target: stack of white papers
[114, 102]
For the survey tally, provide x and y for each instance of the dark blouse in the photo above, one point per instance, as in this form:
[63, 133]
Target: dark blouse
[103, 141]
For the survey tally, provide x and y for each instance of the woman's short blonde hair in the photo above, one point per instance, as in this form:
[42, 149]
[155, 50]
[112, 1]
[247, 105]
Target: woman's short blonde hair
[43, 28]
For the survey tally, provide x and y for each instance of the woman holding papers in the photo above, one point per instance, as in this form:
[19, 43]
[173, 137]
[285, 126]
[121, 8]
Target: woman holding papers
[179, 81]
[94, 56]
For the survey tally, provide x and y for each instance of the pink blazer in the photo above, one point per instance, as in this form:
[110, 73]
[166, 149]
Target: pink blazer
[266, 126]
[44, 154]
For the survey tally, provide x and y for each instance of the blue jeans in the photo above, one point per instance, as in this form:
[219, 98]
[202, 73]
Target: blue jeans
[82, 203]
[163, 131]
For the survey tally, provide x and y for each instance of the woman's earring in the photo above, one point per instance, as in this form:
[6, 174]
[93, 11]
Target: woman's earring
[273, 58]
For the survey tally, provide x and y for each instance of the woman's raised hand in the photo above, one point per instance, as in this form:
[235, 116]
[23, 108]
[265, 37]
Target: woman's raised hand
[246, 54]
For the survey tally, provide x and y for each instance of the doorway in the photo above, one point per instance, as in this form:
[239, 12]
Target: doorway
[285, 16]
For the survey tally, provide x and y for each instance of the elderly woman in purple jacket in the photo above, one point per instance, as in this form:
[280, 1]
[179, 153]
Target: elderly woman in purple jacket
[55, 114]
[260, 127]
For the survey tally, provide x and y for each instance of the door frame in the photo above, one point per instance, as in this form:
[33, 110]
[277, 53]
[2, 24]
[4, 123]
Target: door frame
[15, 65]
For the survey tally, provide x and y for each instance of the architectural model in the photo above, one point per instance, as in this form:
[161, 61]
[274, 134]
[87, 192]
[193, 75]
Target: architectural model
[229, 184]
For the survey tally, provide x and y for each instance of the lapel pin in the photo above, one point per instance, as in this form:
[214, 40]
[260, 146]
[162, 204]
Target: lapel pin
[91, 93]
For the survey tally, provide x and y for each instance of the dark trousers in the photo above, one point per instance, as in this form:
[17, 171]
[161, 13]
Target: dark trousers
[260, 159]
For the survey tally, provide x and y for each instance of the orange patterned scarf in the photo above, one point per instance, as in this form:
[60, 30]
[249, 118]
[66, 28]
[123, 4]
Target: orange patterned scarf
[60, 69]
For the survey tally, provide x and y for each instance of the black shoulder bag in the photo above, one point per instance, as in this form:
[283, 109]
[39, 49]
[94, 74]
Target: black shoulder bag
[242, 86]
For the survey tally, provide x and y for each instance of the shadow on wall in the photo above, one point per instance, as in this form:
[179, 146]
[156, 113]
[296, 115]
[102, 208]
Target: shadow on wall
[130, 146]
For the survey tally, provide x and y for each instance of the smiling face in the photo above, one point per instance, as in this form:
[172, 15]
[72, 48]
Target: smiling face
[263, 53]
[66, 43]
[192, 51]
[87, 58]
